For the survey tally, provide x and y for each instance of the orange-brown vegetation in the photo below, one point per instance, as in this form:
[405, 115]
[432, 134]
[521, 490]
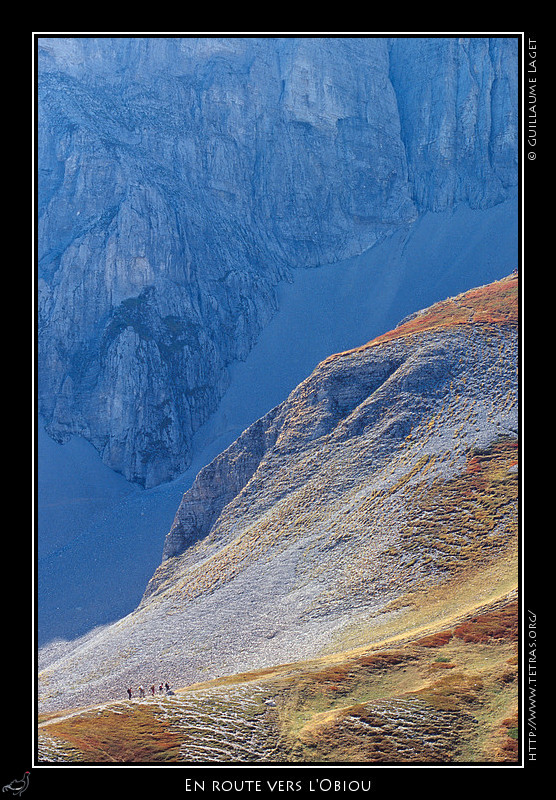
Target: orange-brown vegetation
[480, 461]
[440, 666]
[499, 624]
[509, 747]
[130, 735]
[436, 640]
[502, 624]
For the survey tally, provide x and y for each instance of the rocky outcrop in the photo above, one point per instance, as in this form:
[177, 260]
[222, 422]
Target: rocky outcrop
[380, 394]
[181, 179]
[218, 484]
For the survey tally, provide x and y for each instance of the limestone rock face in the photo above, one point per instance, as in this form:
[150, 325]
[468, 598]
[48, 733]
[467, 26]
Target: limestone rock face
[456, 101]
[181, 179]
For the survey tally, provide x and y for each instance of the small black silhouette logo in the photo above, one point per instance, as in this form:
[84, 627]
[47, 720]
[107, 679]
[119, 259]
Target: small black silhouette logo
[17, 787]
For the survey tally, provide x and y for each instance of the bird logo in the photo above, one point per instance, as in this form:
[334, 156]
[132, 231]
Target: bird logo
[17, 787]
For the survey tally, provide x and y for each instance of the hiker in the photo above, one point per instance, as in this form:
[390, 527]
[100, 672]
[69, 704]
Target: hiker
[160, 688]
[129, 693]
[166, 686]
[152, 690]
[141, 692]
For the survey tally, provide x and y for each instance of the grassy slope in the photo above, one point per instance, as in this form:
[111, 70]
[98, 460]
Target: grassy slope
[438, 683]
[450, 696]
[434, 680]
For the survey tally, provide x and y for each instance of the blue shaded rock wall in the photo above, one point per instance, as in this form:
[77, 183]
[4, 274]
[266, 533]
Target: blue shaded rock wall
[181, 180]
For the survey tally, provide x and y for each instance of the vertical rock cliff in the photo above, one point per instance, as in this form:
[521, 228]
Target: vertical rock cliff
[181, 179]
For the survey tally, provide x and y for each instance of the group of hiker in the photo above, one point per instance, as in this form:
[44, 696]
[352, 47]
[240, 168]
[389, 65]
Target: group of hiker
[161, 689]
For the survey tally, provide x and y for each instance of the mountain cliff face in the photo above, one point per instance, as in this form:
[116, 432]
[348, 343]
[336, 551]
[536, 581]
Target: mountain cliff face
[377, 504]
[181, 179]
